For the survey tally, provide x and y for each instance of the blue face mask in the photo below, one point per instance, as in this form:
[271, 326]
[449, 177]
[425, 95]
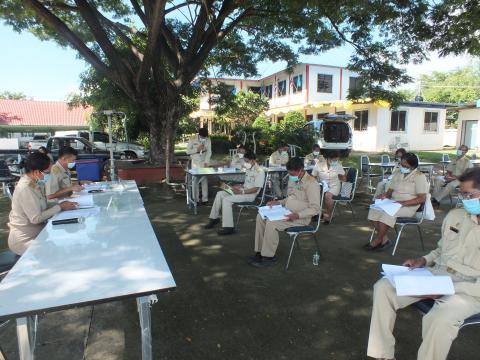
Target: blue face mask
[293, 178]
[44, 180]
[472, 206]
[71, 165]
[404, 170]
[334, 163]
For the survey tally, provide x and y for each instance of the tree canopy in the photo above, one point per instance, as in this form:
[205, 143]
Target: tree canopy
[153, 50]
[12, 95]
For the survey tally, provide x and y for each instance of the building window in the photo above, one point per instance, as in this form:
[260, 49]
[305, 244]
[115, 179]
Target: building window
[280, 118]
[398, 121]
[297, 83]
[354, 83]
[309, 118]
[282, 88]
[361, 120]
[324, 83]
[231, 89]
[267, 91]
[255, 89]
[430, 122]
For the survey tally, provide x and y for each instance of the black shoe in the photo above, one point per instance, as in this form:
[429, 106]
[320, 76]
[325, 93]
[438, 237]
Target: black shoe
[369, 247]
[204, 203]
[211, 223]
[383, 247]
[226, 231]
[252, 258]
[265, 262]
[435, 202]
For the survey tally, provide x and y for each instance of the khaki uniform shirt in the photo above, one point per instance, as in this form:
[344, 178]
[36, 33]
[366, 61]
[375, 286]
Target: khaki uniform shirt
[29, 212]
[328, 174]
[303, 198]
[458, 166]
[254, 178]
[408, 187]
[60, 178]
[199, 159]
[276, 159]
[237, 162]
[311, 160]
[458, 251]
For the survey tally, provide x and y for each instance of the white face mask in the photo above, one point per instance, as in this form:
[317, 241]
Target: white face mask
[459, 153]
[316, 153]
[248, 166]
[284, 153]
[240, 155]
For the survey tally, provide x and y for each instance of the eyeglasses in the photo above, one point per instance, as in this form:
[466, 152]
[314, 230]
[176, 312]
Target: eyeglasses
[469, 195]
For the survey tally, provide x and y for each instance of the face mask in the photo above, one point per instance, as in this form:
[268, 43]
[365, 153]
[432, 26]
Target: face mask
[284, 153]
[472, 206]
[71, 165]
[293, 178]
[240, 155]
[44, 180]
[459, 153]
[316, 153]
[247, 166]
[334, 163]
[404, 170]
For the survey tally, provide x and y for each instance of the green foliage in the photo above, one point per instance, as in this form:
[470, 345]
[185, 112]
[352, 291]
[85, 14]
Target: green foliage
[11, 95]
[220, 143]
[261, 123]
[292, 130]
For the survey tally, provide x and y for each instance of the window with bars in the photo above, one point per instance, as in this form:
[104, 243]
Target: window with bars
[354, 83]
[282, 88]
[361, 120]
[324, 83]
[430, 122]
[398, 121]
[255, 89]
[267, 91]
[297, 83]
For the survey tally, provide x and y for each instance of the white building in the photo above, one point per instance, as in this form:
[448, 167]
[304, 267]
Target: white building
[469, 126]
[318, 89]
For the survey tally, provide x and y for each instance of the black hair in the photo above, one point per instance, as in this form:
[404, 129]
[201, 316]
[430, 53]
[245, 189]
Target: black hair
[67, 150]
[333, 154]
[36, 161]
[464, 146]
[473, 175]
[203, 132]
[250, 155]
[411, 159]
[316, 146]
[282, 145]
[43, 150]
[401, 150]
[295, 164]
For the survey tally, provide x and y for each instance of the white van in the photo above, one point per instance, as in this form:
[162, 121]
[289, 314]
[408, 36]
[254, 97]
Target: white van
[333, 132]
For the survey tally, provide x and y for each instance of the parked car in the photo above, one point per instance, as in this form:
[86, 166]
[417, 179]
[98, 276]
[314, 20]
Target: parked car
[101, 141]
[333, 132]
[37, 141]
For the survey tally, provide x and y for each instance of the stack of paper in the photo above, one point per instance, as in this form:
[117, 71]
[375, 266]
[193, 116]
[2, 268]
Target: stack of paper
[387, 205]
[84, 201]
[417, 282]
[72, 214]
[274, 213]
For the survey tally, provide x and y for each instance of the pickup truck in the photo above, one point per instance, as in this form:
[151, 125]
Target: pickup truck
[86, 150]
[37, 142]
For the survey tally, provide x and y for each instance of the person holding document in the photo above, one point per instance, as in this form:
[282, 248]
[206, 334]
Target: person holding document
[30, 209]
[224, 200]
[382, 185]
[303, 201]
[458, 256]
[409, 188]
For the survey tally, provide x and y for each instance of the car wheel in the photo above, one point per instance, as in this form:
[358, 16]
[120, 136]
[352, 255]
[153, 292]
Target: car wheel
[130, 155]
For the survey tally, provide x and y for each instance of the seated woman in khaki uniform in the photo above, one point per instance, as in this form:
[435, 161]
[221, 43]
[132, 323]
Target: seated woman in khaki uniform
[330, 172]
[30, 209]
[409, 187]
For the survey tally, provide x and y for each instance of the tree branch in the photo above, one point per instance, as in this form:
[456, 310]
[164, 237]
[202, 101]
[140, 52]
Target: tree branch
[176, 7]
[139, 11]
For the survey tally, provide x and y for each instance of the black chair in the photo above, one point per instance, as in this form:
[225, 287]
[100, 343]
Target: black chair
[352, 175]
[365, 170]
[252, 205]
[425, 305]
[6, 178]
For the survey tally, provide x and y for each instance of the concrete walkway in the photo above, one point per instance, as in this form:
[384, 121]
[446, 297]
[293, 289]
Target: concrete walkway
[225, 309]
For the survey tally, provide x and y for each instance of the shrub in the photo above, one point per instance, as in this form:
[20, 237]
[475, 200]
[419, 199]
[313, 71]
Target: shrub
[220, 143]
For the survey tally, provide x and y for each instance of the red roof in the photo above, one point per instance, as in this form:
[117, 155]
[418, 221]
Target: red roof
[43, 113]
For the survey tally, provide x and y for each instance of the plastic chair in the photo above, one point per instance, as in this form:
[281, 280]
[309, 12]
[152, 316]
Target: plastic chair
[425, 305]
[232, 152]
[404, 221]
[292, 149]
[352, 175]
[295, 231]
[445, 160]
[253, 205]
[385, 159]
[6, 178]
[365, 169]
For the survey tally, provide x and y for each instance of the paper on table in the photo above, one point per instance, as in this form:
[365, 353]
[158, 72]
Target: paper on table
[390, 272]
[387, 205]
[72, 214]
[84, 201]
[274, 213]
[424, 285]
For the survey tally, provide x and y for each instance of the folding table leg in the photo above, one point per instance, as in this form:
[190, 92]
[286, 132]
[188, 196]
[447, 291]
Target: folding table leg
[143, 306]
[26, 338]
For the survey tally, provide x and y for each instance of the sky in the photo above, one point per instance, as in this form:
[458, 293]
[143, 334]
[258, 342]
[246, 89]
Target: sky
[45, 71]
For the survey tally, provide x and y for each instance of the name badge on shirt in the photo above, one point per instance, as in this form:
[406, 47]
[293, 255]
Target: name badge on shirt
[454, 229]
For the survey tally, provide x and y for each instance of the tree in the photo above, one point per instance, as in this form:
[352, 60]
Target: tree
[10, 95]
[153, 50]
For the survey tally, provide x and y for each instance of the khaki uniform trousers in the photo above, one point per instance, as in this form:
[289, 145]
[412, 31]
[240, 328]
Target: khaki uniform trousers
[224, 203]
[440, 191]
[266, 234]
[196, 182]
[439, 326]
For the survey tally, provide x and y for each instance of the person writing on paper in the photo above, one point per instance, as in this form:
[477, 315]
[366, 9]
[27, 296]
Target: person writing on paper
[200, 150]
[59, 183]
[457, 256]
[303, 200]
[30, 209]
[277, 159]
[237, 162]
[382, 186]
[409, 188]
[314, 157]
[445, 185]
[224, 200]
[329, 172]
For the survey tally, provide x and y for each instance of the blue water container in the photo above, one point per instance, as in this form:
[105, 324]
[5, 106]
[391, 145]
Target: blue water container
[88, 169]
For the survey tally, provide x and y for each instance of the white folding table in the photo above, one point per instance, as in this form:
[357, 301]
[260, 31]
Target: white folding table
[114, 255]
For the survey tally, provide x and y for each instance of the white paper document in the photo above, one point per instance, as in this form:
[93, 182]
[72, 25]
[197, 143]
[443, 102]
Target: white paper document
[387, 205]
[274, 213]
[392, 271]
[84, 201]
[325, 186]
[72, 214]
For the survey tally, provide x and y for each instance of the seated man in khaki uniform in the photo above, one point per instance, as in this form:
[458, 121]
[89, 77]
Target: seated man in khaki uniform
[445, 185]
[277, 159]
[314, 157]
[224, 200]
[59, 184]
[458, 256]
[303, 200]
